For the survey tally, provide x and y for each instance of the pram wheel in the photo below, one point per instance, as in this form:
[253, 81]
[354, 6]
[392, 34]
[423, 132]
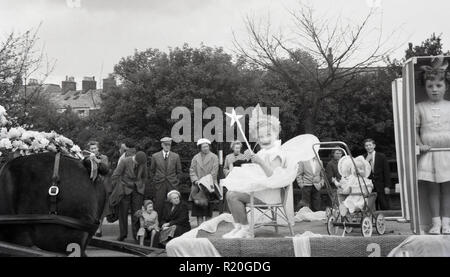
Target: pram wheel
[332, 230]
[366, 226]
[380, 224]
[328, 212]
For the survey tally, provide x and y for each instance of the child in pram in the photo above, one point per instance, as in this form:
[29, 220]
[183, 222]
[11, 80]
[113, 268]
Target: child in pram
[353, 186]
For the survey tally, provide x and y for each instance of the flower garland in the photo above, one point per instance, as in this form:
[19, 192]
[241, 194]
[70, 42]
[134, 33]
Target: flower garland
[23, 142]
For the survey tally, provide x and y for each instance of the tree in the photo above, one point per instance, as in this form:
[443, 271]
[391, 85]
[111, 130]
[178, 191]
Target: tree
[322, 59]
[156, 82]
[19, 59]
[432, 46]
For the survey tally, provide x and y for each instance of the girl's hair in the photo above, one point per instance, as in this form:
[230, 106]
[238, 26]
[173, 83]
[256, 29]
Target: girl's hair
[335, 150]
[436, 71]
[147, 202]
[234, 143]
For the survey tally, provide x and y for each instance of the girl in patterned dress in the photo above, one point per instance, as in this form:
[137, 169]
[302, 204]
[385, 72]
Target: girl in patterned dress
[433, 131]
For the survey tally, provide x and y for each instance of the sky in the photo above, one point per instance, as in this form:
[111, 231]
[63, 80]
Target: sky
[88, 37]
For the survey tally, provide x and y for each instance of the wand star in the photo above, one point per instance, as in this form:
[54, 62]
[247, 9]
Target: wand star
[234, 117]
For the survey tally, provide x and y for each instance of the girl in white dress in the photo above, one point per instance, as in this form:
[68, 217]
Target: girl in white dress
[269, 160]
[433, 131]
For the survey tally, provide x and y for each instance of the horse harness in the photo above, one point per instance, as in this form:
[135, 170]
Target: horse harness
[52, 217]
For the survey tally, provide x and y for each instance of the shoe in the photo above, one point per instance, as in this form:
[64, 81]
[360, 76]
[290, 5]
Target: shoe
[98, 234]
[121, 238]
[436, 226]
[446, 225]
[243, 233]
[231, 234]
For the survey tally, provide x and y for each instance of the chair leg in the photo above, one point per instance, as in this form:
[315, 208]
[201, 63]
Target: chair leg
[290, 224]
[274, 218]
[252, 217]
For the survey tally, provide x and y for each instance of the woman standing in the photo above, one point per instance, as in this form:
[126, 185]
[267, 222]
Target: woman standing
[332, 171]
[203, 164]
[236, 147]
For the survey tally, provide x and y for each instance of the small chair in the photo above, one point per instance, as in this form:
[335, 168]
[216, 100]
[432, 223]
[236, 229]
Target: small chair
[273, 209]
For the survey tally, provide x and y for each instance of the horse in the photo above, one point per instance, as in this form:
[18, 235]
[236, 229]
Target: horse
[24, 190]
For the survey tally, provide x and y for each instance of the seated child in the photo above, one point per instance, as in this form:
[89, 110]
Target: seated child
[148, 219]
[351, 184]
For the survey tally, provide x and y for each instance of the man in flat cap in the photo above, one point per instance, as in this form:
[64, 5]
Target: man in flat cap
[165, 173]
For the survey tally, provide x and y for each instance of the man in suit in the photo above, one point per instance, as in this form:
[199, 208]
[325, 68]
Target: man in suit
[380, 174]
[131, 174]
[165, 173]
[310, 179]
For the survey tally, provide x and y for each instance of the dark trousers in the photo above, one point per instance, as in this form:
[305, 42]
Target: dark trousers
[135, 201]
[382, 202]
[310, 198]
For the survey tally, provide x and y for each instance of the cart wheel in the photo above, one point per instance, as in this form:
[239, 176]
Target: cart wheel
[366, 226]
[380, 224]
[331, 229]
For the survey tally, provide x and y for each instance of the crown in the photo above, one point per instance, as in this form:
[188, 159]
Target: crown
[260, 119]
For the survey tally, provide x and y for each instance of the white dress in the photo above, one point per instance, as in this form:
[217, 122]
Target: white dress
[252, 178]
[433, 119]
[351, 185]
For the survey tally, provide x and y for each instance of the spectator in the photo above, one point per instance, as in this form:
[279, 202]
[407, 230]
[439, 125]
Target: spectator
[127, 149]
[102, 163]
[131, 174]
[332, 171]
[380, 175]
[203, 164]
[310, 180]
[175, 218]
[236, 147]
[165, 173]
[148, 219]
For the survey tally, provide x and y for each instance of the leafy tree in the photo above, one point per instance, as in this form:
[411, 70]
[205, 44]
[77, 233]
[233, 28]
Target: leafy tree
[432, 46]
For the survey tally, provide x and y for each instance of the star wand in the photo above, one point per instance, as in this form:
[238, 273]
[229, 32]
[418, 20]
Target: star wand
[235, 119]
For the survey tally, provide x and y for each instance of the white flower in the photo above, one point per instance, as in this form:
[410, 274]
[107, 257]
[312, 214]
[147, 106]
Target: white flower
[26, 135]
[2, 110]
[3, 132]
[44, 141]
[15, 132]
[51, 135]
[3, 120]
[75, 149]
[5, 143]
[51, 147]
[63, 141]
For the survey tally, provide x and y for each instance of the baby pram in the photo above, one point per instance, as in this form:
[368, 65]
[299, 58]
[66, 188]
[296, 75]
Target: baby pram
[366, 218]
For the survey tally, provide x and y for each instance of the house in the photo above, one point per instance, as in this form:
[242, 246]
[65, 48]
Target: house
[83, 102]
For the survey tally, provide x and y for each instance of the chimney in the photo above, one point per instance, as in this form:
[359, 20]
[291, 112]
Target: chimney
[68, 84]
[88, 83]
[109, 83]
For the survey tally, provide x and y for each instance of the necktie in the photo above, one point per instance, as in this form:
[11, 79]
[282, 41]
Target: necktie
[370, 160]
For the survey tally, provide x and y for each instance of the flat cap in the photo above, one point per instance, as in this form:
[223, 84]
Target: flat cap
[166, 139]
